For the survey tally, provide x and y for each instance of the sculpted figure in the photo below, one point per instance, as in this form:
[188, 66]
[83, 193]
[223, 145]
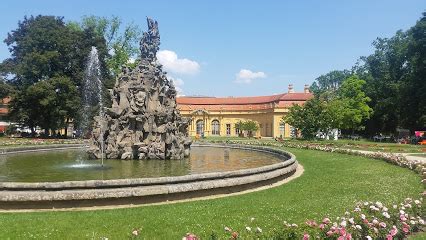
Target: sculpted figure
[143, 122]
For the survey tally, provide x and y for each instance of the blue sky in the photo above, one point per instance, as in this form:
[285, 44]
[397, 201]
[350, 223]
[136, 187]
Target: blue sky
[270, 44]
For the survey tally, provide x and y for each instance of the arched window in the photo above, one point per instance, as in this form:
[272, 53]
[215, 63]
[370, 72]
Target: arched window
[200, 127]
[282, 129]
[215, 127]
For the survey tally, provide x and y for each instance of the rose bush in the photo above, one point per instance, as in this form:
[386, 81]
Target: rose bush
[368, 220]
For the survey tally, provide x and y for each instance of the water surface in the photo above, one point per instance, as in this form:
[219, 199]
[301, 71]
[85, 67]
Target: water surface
[70, 165]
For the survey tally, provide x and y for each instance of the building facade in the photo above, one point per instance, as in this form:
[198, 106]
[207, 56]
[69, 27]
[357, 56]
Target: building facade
[212, 116]
[4, 112]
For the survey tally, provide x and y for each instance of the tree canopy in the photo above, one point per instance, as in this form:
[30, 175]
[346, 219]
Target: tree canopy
[395, 82]
[46, 68]
[343, 108]
[382, 92]
[122, 41]
[249, 126]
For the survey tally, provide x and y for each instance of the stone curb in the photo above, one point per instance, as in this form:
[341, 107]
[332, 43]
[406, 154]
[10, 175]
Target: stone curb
[89, 184]
[15, 192]
[37, 148]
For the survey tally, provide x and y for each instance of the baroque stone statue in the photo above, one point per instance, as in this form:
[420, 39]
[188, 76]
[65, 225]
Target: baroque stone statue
[143, 122]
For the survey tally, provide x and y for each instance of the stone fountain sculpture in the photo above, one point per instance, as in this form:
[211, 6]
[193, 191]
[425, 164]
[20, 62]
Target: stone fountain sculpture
[143, 122]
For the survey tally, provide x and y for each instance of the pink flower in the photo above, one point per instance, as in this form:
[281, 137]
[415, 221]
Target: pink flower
[405, 230]
[329, 233]
[405, 225]
[342, 232]
[190, 236]
[326, 221]
[348, 236]
[403, 218]
[321, 226]
[393, 231]
[305, 236]
[389, 237]
[341, 238]
[382, 224]
[311, 223]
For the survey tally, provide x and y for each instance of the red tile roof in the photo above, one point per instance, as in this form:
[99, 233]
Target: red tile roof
[4, 111]
[284, 100]
[244, 100]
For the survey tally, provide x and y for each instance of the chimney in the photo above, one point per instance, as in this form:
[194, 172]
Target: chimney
[290, 88]
[306, 89]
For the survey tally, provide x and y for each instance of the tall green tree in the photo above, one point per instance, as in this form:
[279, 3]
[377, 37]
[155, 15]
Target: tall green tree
[344, 108]
[249, 126]
[414, 90]
[385, 72]
[49, 104]
[353, 103]
[306, 118]
[330, 82]
[6, 89]
[43, 50]
[122, 41]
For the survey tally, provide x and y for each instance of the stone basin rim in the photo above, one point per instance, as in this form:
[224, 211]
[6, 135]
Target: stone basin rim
[288, 160]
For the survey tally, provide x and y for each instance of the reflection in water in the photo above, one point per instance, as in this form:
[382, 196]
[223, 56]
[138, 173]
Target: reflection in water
[67, 165]
[226, 155]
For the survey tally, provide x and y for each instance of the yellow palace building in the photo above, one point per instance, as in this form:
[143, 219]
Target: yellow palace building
[211, 116]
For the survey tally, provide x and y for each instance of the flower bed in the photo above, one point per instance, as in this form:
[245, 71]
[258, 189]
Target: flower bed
[396, 159]
[368, 220]
[12, 142]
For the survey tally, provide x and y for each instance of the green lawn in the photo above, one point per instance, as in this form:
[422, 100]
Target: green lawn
[331, 184]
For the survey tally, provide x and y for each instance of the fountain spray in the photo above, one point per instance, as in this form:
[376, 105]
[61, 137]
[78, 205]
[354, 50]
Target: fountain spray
[92, 94]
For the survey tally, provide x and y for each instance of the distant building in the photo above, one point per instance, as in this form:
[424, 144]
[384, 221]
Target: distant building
[4, 111]
[212, 116]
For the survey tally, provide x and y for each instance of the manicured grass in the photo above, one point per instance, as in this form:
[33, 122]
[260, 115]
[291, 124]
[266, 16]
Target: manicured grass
[331, 184]
[418, 236]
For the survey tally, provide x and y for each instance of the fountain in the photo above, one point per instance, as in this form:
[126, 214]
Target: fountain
[143, 122]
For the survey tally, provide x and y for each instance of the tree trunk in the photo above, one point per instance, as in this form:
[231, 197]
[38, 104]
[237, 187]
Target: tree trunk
[66, 128]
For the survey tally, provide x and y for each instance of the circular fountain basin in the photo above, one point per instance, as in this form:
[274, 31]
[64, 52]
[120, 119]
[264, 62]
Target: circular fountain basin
[66, 179]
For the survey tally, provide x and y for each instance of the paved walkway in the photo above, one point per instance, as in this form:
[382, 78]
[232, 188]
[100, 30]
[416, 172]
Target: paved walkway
[406, 155]
[414, 158]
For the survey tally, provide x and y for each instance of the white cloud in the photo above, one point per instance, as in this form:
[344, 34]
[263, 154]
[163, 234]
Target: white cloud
[131, 60]
[178, 83]
[172, 63]
[247, 76]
